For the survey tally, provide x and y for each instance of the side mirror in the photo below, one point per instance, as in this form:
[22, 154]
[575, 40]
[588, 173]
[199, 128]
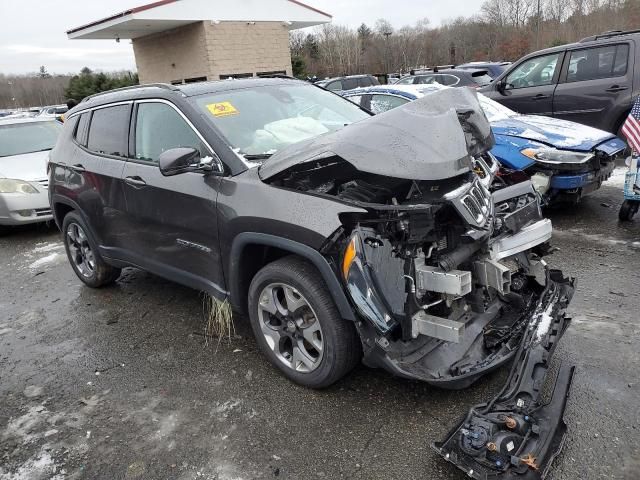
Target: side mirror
[184, 159]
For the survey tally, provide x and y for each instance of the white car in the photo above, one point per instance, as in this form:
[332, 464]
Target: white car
[53, 111]
[24, 151]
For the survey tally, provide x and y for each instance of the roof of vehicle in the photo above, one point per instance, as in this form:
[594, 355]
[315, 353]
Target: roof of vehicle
[609, 37]
[10, 121]
[187, 90]
[360, 75]
[408, 91]
[472, 65]
[610, 34]
[451, 71]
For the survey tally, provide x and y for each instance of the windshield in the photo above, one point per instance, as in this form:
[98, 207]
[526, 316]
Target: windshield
[257, 122]
[20, 138]
[494, 110]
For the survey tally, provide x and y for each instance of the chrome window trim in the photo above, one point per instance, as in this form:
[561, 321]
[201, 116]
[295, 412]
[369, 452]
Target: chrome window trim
[98, 107]
[216, 158]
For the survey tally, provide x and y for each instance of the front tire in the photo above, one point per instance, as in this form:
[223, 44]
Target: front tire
[627, 210]
[83, 254]
[297, 325]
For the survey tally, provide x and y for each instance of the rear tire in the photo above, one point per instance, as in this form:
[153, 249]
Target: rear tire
[297, 325]
[83, 254]
[628, 209]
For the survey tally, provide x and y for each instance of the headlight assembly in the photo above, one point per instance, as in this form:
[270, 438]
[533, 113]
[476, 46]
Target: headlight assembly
[9, 185]
[359, 280]
[553, 156]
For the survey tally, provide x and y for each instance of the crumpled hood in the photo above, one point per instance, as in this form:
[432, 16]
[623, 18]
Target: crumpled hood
[430, 139]
[551, 131]
[28, 167]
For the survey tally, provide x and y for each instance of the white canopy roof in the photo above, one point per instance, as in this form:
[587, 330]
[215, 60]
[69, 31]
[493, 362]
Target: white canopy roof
[167, 14]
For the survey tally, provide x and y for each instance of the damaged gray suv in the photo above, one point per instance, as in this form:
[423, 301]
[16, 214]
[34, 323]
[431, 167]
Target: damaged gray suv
[345, 237]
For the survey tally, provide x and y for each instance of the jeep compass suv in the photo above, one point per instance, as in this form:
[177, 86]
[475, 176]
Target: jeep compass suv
[344, 236]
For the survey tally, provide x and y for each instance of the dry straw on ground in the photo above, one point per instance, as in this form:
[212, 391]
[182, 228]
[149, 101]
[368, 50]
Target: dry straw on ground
[218, 319]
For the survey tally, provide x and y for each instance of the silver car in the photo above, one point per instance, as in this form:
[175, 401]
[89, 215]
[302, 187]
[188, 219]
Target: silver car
[24, 151]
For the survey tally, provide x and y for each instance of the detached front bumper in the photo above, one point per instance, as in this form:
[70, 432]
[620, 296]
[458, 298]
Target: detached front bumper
[519, 433]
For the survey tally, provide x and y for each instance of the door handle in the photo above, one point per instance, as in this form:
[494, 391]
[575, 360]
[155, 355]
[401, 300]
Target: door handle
[135, 181]
[540, 96]
[78, 168]
[616, 88]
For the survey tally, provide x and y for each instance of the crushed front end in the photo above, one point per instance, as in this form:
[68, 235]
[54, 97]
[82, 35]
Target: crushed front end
[445, 268]
[453, 287]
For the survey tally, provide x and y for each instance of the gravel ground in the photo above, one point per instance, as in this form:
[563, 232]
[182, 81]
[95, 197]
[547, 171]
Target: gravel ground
[120, 383]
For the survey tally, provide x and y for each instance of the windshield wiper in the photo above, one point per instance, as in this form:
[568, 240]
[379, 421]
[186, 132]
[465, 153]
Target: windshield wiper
[257, 156]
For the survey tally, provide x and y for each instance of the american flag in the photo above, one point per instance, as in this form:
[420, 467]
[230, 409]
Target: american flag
[631, 127]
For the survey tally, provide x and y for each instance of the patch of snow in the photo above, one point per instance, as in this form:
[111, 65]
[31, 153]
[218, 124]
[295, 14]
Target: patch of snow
[574, 133]
[533, 135]
[39, 466]
[48, 247]
[617, 177]
[44, 261]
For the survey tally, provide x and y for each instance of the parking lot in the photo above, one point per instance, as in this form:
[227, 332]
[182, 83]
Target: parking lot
[121, 383]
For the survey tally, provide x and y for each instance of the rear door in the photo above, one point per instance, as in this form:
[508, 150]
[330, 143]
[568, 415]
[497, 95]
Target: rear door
[529, 87]
[594, 81]
[94, 177]
[172, 227]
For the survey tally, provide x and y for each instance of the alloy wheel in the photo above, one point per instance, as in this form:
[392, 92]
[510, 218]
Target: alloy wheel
[291, 327]
[81, 253]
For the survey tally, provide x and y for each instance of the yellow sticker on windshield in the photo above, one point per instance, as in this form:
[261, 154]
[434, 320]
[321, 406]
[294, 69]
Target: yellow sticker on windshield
[222, 109]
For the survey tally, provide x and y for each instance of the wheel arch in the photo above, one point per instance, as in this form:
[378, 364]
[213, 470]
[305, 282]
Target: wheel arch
[251, 251]
[62, 206]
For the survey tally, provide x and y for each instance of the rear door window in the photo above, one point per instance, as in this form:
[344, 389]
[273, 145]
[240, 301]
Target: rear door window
[425, 79]
[365, 82]
[601, 62]
[109, 130]
[405, 81]
[349, 83]
[448, 80]
[334, 86]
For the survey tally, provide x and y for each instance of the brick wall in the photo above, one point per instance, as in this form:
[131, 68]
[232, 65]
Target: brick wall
[172, 55]
[205, 49]
[238, 47]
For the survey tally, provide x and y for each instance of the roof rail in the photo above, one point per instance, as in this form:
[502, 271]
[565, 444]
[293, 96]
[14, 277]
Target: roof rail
[609, 34]
[276, 75]
[166, 86]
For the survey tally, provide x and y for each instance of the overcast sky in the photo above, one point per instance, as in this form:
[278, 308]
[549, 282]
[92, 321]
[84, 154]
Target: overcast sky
[32, 32]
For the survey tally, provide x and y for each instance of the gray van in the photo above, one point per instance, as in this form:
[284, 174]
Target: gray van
[593, 81]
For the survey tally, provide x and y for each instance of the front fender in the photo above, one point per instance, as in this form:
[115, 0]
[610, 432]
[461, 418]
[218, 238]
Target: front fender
[507, 151]
[245, 239]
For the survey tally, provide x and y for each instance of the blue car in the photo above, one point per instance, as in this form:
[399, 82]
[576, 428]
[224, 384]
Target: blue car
[565, 160]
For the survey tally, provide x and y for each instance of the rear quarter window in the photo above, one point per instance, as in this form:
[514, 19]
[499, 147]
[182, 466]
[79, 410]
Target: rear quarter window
[80, 133]
[109, 131]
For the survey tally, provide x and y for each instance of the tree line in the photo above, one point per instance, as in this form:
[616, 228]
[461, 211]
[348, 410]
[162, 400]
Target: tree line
[43, 88]
[503, 30]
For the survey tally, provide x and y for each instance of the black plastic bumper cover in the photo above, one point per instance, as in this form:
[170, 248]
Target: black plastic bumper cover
[519, 433]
